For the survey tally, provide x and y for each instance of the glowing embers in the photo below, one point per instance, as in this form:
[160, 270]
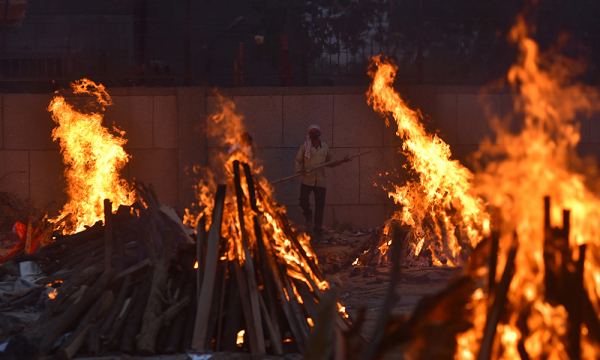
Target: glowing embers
[260, 268]
[93, 155]
[52, 295]
[441, 202]
[240, 338]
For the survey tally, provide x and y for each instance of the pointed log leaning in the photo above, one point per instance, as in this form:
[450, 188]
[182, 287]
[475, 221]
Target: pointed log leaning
[212, 251]
[200, 240]
[261, 255]
[248, 263]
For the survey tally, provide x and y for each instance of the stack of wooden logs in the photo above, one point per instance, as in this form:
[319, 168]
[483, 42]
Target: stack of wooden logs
[130, 285]
[125, 286]
[255, 294]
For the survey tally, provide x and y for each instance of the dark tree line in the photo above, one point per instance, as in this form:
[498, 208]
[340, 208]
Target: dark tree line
[433, 41]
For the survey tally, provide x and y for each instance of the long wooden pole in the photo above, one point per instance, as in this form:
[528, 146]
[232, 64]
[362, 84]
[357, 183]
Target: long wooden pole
[317, 167]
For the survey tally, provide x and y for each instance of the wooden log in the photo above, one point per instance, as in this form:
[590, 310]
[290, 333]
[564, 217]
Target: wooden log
[190, 323]
[43, 324]
[120, 247]
[71, 262]
[161, 339]
[74, 342]
[200, 245]
[174, 342]
[133, 271]
[20, 293]
[222, 296]
[85, 248]
[124, 315]
[293, 300]
[166, 318]
[249, 264]
[261, 255]
[204, 303]
[495, 311]
[29, 298]
[289, 313]
[493, 262]
[47, 256]
[151, 325]
[67, 318]
[114, 312]
[233, 314]
[92, 233]
[108, 235]
[93, 340]
[245, 297]
[273, 330]
[134, 321]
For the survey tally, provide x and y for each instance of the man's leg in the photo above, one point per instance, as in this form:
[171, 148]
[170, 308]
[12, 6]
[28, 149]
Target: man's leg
[319, 209]
[305, 203]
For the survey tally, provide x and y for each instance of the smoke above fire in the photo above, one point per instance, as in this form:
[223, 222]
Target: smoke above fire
[93, 157]
[445, 213]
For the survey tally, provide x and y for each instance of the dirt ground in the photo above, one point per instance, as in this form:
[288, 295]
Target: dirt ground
[366, 287]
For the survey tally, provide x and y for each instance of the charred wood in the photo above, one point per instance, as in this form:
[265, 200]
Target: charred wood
[206, 294]
[67, 318]
[134, 320]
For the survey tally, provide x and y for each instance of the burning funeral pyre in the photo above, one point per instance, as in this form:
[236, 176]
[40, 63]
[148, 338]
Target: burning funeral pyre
[248, 282]
[531, 285]
[138, 283]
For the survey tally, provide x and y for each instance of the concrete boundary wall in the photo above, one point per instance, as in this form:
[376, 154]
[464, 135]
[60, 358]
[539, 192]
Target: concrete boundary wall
[165, 129]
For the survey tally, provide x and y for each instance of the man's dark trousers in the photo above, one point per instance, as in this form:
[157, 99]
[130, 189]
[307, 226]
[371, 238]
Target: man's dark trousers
[305, 191]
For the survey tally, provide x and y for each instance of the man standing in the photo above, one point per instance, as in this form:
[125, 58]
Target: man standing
[312, 153]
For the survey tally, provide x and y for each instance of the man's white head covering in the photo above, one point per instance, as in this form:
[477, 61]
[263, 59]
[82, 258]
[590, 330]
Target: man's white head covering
[308, 143]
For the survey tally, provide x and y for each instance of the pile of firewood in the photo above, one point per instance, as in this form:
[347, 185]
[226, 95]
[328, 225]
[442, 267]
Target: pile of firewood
[130, 285]
[124, 286]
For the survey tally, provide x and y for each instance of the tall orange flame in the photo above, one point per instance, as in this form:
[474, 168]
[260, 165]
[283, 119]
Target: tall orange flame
[94, 158]
[443, 196]
[523, 168]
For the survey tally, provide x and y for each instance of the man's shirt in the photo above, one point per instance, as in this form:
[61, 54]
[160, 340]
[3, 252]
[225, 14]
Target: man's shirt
[317, 157]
